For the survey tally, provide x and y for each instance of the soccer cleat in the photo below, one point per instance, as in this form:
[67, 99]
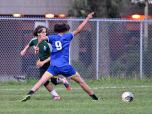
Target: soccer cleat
[101, 99]
[68, 87]
[56, 98]
[66, 84]
[94, 97]
[27, 97]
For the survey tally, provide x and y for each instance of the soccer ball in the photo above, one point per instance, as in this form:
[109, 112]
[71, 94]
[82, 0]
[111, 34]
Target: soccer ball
[127, 96]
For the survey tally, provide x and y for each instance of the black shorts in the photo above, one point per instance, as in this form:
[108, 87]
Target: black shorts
[44, 68]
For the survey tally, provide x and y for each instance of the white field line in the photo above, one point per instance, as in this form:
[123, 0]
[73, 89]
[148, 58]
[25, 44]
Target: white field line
[103, 87]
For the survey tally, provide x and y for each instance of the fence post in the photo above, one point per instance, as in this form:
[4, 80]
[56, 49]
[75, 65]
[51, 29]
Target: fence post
[141, 50]
[97, 50]
[47, 23]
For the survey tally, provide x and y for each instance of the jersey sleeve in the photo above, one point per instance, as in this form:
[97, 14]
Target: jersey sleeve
[49, 38]
[70, 35]
[31, 42]
[50, 47]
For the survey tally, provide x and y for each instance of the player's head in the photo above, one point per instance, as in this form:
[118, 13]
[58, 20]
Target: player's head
[40, 29]
[61, 28]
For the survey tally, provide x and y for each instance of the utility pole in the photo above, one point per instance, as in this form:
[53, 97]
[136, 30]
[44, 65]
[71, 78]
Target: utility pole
[146, 3]
[145, 25]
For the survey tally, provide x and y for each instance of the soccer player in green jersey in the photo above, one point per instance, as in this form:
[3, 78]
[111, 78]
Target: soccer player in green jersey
[44, 60]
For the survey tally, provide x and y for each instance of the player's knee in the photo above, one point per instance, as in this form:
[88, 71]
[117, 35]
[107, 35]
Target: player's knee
[54, 80]
[78, 79]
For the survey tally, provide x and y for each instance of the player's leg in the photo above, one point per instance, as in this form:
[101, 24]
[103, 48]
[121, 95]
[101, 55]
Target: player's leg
[66, 83]
[77, 78]
[70, 72]
[46, 76]
[52, 91]
[48, 85]
[61, 80]
[55, 80]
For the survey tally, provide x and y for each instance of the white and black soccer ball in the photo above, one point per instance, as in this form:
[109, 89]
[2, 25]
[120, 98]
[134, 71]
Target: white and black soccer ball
[127, 96]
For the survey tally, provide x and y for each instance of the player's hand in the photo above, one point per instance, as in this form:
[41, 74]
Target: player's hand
[22, 53]
[39, 63]
[36, 49]
[90, 15]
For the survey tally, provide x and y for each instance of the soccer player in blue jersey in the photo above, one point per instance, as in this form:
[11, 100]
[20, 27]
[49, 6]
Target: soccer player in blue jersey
[44, 60]
[60, 58]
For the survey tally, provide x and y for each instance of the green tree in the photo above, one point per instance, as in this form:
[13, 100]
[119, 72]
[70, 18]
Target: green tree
[102, 8]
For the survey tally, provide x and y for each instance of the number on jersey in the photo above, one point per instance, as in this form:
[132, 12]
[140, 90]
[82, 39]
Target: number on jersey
[58, 45]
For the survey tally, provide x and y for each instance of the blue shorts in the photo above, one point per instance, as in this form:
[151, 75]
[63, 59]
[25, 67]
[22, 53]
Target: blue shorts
[66, 71]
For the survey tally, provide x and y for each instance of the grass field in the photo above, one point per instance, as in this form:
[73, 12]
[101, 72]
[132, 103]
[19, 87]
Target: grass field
[77, 101]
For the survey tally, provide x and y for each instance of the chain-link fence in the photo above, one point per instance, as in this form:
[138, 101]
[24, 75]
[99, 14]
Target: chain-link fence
[105, 48]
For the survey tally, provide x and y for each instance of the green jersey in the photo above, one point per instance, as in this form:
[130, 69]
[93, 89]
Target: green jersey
[44, 48]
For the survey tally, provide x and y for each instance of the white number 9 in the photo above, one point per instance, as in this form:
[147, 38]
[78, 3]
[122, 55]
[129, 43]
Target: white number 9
[58, 45]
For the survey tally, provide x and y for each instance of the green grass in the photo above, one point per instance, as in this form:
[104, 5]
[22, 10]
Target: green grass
[77, 101]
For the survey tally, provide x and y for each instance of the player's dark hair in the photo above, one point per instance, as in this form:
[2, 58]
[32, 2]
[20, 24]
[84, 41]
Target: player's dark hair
[60, 28]
[39, 29]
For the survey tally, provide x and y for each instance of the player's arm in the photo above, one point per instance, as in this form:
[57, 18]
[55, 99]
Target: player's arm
[41, 63]
[23, 52]
[30, 44]
[81, 26]
[46, 60]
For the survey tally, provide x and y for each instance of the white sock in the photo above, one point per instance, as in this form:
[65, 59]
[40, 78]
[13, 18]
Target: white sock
[54, 93]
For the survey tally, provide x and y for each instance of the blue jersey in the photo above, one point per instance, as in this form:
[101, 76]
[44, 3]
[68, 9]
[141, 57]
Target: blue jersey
[60, 49]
